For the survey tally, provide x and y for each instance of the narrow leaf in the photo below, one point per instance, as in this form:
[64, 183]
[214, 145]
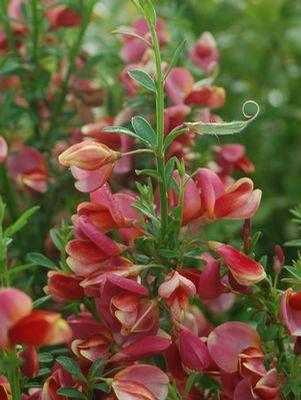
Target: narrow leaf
[40, 259]
[224, 128]
[175, 57]
[120, 130]
[70, 392]
[143, 78]
[149, 172]
[172, 135]
[131, 33]
[21, 221]
[70, 365]
[144, 130]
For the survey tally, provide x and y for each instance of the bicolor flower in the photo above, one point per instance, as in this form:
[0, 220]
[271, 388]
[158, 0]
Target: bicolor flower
[244, 270]
[40, 328]
[191, 198]
[205, 53]
[29, 169]
[290, 311]
[141, 381]
[14, 305]
[230, 157]
[176, 290]
[237, 201]
[210, 285]
[64, 287]
[228, 341]
[62, 16]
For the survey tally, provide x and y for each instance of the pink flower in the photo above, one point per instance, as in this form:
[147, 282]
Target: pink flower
[290, 311]
[228, 341]
[232, 157]
[179, 84]
[205, 53]
[140, 382]
[29, 169]
[134, 48]
[142, 348]
[193, 351]
[210, 285]
[176, 290]
[3, 150]
[191, 200]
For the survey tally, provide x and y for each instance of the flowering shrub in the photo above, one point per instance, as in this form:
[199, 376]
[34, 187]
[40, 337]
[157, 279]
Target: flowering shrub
[138, 294]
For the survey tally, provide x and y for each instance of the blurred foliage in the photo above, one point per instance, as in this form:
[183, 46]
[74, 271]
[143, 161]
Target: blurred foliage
[260, 49]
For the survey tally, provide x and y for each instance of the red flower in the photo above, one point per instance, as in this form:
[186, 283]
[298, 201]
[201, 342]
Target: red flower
[40, 328]
[62, 16]
[64, 287]
[30, 365]
[232, 157]
[290, 311]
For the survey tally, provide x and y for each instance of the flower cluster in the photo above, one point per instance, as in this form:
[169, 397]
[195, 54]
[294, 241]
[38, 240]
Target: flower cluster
[143, 277]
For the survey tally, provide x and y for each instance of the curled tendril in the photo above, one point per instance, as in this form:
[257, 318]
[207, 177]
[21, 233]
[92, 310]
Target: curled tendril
[253, 115]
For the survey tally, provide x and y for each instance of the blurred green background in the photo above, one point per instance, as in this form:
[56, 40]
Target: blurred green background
[260, 44]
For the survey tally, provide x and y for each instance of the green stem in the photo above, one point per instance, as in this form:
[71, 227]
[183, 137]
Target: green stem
[13, 375]
[160, 153]
[87, 11]
[10, 198]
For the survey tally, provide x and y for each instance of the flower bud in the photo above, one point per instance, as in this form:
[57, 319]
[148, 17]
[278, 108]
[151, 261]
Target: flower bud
[88, 155]
[278, 259]
[30, 366]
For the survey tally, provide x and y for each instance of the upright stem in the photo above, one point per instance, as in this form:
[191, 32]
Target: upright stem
[160, 153]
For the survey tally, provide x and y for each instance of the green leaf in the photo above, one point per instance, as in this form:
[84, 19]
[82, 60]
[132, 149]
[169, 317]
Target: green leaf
[70, 365]
[20, 268]
[172, 135]
[224, 128]
[131, 33]
[40, 259]
[21, 221]
[41, 301]
[149, 172]
[45, 357]
[175, 57]
[96, 368]
[150, 12]
[104, 387]
[293, 243]
[120, 130]
[70, 392]
[143, 78]
[144, 130]
[55, 236]
[293, 271]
